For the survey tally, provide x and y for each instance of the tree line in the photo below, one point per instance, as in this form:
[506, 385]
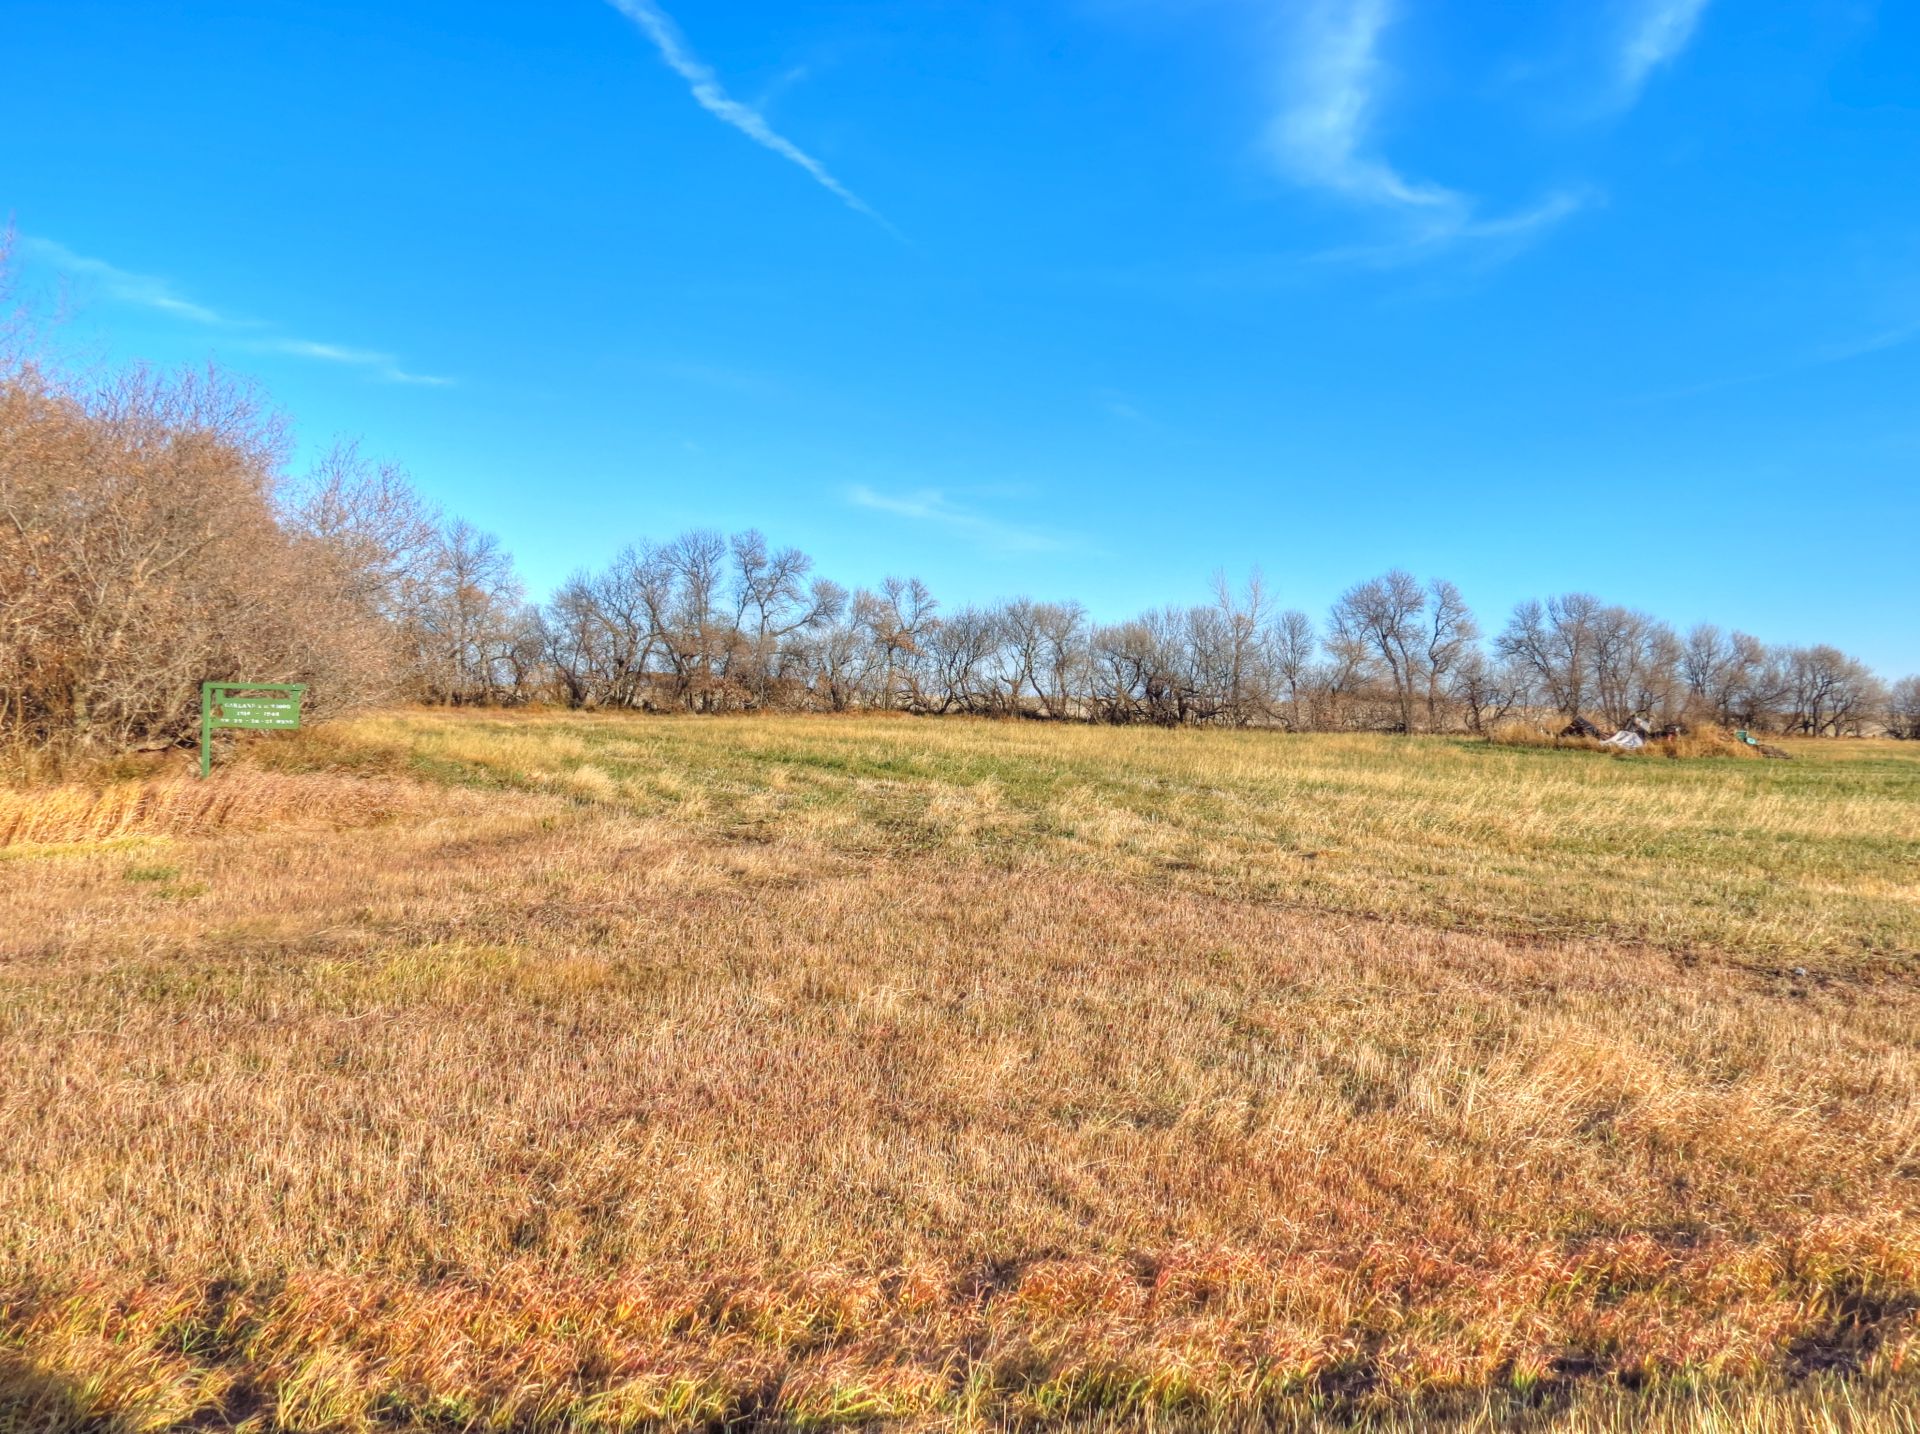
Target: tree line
[710, 623]
[150, 540]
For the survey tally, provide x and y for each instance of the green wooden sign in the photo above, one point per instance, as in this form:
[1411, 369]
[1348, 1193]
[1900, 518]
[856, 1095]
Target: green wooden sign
[246, 704]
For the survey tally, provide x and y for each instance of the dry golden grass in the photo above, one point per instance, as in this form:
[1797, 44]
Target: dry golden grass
[180, 806]
[1812, 860]
[1702, 742]
[721, 1085]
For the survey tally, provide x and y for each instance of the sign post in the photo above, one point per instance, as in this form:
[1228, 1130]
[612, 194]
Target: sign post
[263, 705]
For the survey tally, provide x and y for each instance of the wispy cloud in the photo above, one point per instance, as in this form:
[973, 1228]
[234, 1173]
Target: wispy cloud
[1121, 406]
[1892, 338]
[1656, 32]
[712, 96]
[1493, 239]
[933, 507]
[382, 366]
[1322, 134]
[146, 291]
[141, 290]
[781, 83]
[1837, 352]
[1323, 138]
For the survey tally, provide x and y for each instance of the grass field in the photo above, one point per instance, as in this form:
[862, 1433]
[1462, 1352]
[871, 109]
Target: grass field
[480, 1071]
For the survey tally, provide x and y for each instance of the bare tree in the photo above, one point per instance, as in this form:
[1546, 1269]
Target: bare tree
[960, 648]
[1130, 676]
[1291, 646]
[1635, 661]
[1710, 668]
[1380, 618]
[840, 656]
[628, 604]
[1338, 678]
[1448, 642]
[1246, 689]
[571, 632]
[378, 539]
[896, 620]
[1043, 648]
[1555, 644]
[384, 534]
[1832, 693]
[774, 601]
[1487, 690]
[16, 320]
[1763, 686]
[1903, 709]
[678, 585]
[1058, 674]
[468, 616]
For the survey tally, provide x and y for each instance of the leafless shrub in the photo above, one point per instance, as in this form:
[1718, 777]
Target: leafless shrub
[140, 554]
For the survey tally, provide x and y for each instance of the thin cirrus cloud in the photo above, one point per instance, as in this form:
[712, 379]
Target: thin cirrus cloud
[1891, 338]
[712, 97]
[1491, 239]
[380, 365]
[1323, 138]
[1838, 352]
[146, 291]
[141, 290]
[932, 507]
[1656, 32]
[1321, 135]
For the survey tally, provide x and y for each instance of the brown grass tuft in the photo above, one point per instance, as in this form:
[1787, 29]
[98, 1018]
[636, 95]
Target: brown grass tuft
[1707, 742]
[1531, 734]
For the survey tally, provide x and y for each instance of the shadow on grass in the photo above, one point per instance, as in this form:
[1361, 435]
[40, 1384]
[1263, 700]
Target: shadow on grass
[39, 1401]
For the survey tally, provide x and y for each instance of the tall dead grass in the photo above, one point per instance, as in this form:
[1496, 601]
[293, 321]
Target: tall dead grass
[182, 806]
[1701, 742]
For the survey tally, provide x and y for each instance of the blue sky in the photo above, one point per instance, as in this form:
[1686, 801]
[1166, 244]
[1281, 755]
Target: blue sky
[1078, 299]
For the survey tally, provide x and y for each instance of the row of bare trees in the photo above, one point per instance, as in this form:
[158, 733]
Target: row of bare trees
[708, 623]
[149, 542]
[1582, 656]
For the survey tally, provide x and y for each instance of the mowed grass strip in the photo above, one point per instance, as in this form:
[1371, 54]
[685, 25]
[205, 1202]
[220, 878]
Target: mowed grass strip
[1778, 861]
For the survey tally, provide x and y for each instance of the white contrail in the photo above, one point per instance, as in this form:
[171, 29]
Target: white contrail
[714, 99]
